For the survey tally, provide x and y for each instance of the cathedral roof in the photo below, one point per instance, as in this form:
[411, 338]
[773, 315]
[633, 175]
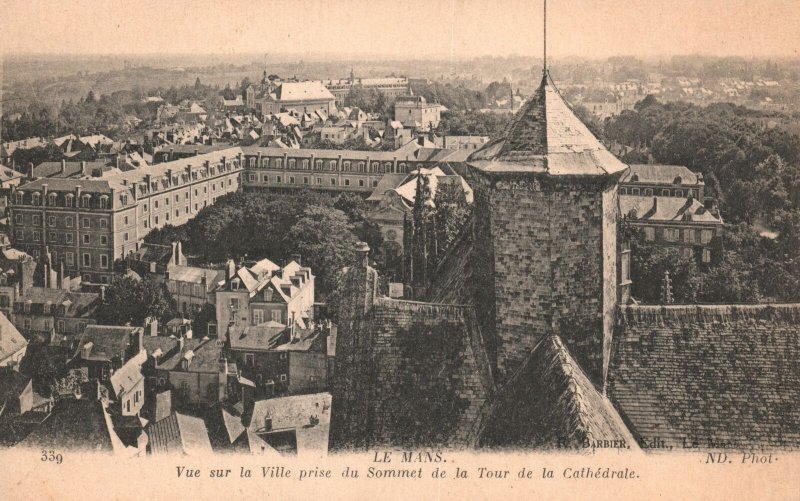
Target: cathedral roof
[545, 136]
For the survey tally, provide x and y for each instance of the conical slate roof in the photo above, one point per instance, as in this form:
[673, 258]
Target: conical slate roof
[546, 136]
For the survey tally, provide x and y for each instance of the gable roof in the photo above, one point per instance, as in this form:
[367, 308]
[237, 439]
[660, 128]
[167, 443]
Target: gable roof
[545, 136]
[712, 374]
[294, 414]
[551, 399]
[263, 336]
[107, 341]
[179, 434]
[11, 341]
[302, 91]
[74, 424]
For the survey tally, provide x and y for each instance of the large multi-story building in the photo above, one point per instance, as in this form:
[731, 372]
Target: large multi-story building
[301, 97]
[668, 203]
[415, 111]
[280, 169]
[88, 223]
[391, 87]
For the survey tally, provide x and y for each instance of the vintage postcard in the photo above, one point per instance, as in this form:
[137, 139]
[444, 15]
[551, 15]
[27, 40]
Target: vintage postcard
[456, 249]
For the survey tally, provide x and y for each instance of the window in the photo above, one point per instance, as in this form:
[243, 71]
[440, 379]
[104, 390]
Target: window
[234, 303]
[155, 204]
[347, 182]
[623, 191]
[103, 240]
[688, 236]
[665, 193]
[278, 179]
[634, 191]
[35, 236]
[86, 239]
[291, 179]
[276, 315]
[104, 202]
[51, 220]
[705, 236]
[19, 235]
[53, 236]
[671, 234]
[305, 180]
[103, 223]
[252, 177]
[36, 220]
[87, 259]
[62, 327]
[145, 207]
[258, 317]
[125, 237]
[319, 180]
[156, 220]
[278, 163]
[706, 256]
[648, 192]
[333, 181]
[291, 163]
[85, 222]
[679, 193]
[70, 256]
[17, 218]
[361, 182]
[27, 323]
[283, 356]
[249, 359]
[68, 220]
[166, 200]
[375, 183]
[649, 234]
[283, 378]
[125, 220]
[625, 266]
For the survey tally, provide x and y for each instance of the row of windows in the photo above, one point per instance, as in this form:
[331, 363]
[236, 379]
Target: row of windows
[86, 222]
[66, 238]
[674, 235]
[56, 199]
[306, 180]
[665, 192]
[330, 165]
[167, 182]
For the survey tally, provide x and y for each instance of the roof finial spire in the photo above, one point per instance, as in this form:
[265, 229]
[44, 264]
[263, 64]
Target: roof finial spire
[544, 69]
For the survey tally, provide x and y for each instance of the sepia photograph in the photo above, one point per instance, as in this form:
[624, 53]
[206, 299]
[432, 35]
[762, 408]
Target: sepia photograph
[431, 249]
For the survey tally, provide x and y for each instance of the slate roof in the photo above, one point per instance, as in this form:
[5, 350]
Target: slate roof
[73, 424]
[179, 434]
[81, 304]
[71, 169]
[302, 91]
[11, 341]
[665, 209]
[551, 398]
[129, 375]
[660, 174]
[294, 413]
[205, 356]
[195, 275]
[264, 336]
[710, 374]
[546, 136]
[108, 341]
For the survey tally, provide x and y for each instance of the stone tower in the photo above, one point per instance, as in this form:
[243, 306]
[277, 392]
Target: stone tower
[545, 236]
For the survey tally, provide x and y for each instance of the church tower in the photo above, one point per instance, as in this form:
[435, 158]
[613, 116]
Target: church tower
[545, 236]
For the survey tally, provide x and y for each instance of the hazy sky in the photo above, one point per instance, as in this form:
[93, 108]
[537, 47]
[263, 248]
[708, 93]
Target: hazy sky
[459, 28]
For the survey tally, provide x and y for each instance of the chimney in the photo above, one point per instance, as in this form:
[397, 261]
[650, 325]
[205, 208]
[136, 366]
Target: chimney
[172, 261]
[83, 167]
[180, 260]
[230, 269]
[63, 167]
[102, 293]
[196, 151]
[152, 327]
[655, 204]
[171, 154]
[181, 343]
[30, 171]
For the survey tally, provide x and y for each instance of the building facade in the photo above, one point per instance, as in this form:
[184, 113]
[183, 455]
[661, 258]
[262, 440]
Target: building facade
[88, 223]
[415, 111]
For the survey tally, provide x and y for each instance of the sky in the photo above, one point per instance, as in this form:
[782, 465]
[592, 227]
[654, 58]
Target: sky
[403, 28]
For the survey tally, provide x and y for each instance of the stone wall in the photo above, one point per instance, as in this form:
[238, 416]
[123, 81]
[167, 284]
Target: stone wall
[544, 248]
[407, 373]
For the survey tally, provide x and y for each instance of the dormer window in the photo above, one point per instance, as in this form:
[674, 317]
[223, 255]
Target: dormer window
[104, 202]
[678, 180]
[51, 199]
[35, 198]
[635, 178]
[86, 201]
[19, 197]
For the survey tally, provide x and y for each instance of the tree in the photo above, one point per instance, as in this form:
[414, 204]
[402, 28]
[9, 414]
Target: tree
[324, 237]
[129, 301]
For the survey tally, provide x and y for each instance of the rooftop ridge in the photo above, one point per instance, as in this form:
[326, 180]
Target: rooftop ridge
[577, 403]
[452, 311]
[709, 313]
